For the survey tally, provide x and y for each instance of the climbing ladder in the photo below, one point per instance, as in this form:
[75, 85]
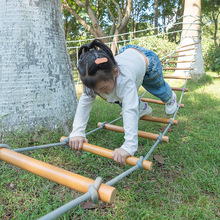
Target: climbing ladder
[94, 188]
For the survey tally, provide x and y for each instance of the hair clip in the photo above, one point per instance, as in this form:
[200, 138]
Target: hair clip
[101, 60]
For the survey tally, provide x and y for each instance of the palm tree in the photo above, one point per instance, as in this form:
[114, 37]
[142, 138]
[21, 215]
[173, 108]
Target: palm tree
[36, 81]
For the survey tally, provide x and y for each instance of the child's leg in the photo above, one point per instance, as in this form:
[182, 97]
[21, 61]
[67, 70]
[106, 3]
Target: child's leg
[153, 80]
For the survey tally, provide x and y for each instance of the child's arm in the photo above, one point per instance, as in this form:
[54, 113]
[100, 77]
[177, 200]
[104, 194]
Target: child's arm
[130, 112]
[76, 142]
[119, 155]
[77, 136]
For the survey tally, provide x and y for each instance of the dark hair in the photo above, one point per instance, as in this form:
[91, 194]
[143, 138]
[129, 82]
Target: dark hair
[92, 72]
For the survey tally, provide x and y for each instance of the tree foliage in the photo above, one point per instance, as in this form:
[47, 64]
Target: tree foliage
[98, 16]
[210, 19]
[102, 18]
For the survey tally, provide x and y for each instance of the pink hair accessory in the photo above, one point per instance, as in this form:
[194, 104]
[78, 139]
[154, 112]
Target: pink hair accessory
[101, 60]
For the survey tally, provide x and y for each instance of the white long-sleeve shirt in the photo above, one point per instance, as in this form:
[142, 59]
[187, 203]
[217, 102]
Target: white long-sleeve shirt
[132, 68]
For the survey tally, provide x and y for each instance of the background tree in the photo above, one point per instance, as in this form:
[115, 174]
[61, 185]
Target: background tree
[211, 10]
[91, 21]
[36, 82]
[156, 12]
[138, 16]
[191, 34]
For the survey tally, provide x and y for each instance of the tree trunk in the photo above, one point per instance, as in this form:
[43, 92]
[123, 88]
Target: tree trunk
[215, 19]
[191, 34]
[114, 46]
[95, 29]
[36, 81]
[156, 17]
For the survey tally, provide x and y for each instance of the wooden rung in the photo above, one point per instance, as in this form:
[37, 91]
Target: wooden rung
[189, 45]
[182, 61]
[175, 68]
[156, 101]
[179, 89]
[180, 51]
[74, 181]
[104, 152]
[176, 77]
[155, 119]
[183, 55]
[140, 133]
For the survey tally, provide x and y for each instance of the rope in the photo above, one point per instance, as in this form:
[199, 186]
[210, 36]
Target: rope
[4, 146]
[65, 142]
[171, 121]
[93, 190]
[139, 163]
[160, 137]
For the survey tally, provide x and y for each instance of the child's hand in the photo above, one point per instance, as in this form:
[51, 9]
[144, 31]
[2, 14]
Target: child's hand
[119, 155]
[76, 142]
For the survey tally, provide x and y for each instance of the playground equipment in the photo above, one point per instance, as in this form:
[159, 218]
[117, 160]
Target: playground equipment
[95, 189]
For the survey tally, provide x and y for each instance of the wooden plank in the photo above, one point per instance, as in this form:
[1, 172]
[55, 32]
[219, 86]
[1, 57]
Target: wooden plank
[189, 45]
[182, 61]
[175, 68]
[140, 133]
[104, 152]
[156, 101]
[176, 77]
[179, 89]
[74, 181]
[183, 55]
[156, 119]
[180, 51]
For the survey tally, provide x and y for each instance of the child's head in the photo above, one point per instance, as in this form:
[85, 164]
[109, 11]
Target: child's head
[97, 66]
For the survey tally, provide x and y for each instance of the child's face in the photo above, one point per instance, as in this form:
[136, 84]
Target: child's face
[107, 86]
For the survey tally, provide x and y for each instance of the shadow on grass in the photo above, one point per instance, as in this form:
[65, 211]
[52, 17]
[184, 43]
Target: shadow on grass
[197, 83]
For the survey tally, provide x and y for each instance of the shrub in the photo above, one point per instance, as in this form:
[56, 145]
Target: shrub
[212, 58]
[159, 45]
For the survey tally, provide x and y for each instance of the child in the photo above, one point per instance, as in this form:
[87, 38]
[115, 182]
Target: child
[117, 79]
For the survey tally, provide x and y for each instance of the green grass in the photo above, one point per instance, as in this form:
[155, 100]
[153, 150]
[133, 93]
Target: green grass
[186, 186]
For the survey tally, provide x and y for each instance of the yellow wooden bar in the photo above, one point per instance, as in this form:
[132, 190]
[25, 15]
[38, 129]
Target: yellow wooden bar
[104, 152]
[156, 101]
[183, 55]
[179, 89]
[143, 134]
[176, 77]
[182, 61]
[156, 119]
[179, 51]
[74, 181]
[189, 45]
[176, 68]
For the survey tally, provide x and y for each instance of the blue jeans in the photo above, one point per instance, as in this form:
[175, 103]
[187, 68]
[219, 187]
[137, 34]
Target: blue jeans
[153, 80]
